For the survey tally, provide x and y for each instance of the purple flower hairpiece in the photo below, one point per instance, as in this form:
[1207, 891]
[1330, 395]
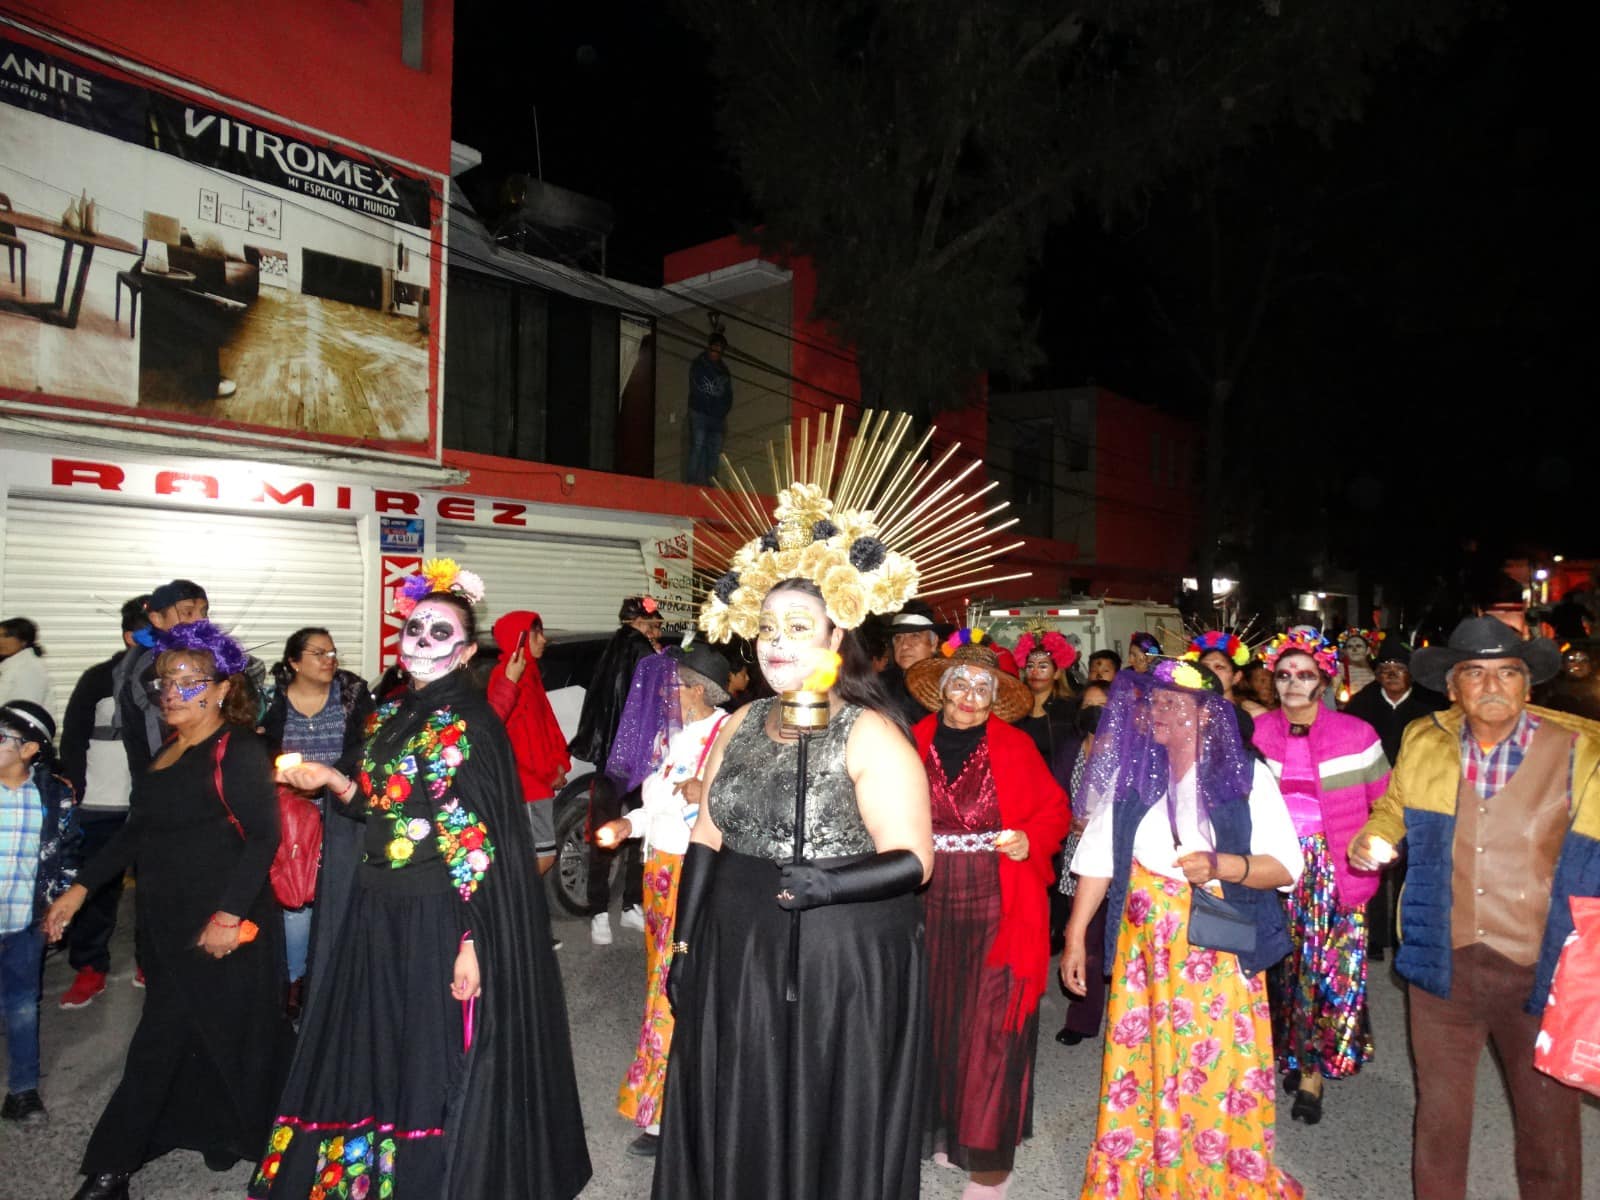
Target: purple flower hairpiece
[227, 654]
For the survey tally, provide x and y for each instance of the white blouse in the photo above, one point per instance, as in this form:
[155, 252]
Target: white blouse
[663, 817]
[1271, 832]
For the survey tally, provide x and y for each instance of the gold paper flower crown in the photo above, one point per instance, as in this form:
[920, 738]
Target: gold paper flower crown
[871, 531]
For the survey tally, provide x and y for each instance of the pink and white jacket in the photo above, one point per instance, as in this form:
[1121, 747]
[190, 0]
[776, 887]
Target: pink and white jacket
[1352, 772]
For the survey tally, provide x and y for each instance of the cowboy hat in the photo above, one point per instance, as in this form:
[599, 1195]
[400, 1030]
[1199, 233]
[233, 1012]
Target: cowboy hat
[1011, 696]
[1480, 638]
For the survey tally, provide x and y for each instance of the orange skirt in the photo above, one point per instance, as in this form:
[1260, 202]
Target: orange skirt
[639, 1097]
[1187, 1087]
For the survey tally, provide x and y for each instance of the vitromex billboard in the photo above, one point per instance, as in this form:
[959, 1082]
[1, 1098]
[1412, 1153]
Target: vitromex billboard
[189, 264]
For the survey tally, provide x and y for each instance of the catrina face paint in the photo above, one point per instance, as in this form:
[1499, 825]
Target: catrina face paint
[433, 642]
[793, 633]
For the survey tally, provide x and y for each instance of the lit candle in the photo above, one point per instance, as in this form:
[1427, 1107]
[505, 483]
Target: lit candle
[1381, 850]
[284, 761]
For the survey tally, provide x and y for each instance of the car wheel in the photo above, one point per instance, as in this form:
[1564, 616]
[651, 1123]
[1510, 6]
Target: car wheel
[572, 847]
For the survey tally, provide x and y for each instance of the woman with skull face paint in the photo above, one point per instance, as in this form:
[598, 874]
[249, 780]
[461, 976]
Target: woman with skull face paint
[820, 1097]
[1332, 769]
[436, 1060]
[998, 818]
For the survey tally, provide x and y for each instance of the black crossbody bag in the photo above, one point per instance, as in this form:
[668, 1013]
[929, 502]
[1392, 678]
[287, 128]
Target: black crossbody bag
[1214, 923]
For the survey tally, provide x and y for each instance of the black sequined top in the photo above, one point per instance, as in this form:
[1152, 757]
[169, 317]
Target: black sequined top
[752, 797]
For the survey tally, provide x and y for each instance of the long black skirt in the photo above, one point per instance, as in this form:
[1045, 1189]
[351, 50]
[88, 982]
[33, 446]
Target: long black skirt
[820, 1099]
[380, 1055]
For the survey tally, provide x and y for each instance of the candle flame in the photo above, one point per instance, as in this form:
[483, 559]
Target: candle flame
[821, 679]
[285, 761]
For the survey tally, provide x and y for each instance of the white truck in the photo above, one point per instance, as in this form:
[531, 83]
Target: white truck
[1090, 624]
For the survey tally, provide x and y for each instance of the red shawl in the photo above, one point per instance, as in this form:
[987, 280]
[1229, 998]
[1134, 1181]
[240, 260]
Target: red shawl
[1032, 803]
[536, 740]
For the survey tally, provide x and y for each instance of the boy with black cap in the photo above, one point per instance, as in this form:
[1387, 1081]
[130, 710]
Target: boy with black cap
[39, 856]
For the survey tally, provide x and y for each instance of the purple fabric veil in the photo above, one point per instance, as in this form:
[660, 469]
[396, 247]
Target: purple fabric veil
[650, 718]
[1128, 765]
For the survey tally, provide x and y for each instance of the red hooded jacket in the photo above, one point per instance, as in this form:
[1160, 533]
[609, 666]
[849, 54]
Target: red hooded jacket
[536, 738]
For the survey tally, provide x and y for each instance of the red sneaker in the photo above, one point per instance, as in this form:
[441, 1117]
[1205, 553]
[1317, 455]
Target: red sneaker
[138, 978]
[89, 984]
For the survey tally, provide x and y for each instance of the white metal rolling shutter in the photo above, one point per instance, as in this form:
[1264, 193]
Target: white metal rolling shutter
[69, 565]
[575, 583]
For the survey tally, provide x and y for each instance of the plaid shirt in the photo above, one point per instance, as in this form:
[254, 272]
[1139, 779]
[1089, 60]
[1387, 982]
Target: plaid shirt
[21, 822]
[1489, 770]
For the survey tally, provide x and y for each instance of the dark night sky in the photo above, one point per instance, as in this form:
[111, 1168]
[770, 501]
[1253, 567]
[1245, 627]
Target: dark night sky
[1428, 333]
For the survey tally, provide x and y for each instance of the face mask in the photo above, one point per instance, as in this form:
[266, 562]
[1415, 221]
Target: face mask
[1089, 720]
[432, 642]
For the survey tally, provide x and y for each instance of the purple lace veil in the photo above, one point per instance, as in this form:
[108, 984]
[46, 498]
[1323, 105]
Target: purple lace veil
[1129, 766]
[650, 718]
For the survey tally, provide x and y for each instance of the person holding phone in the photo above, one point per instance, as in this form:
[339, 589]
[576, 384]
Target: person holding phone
[518, 698]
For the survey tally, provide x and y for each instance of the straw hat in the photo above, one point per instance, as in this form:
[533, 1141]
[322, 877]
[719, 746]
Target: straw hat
[1011, 700]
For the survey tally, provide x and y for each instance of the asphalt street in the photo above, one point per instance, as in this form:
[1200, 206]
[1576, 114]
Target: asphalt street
[1360, 1151]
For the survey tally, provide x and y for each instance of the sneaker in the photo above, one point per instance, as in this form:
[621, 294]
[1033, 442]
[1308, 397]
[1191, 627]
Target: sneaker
[24, 1108]
[600, 929]
[633, 918]
[645, 1145]
[89, 984]
[138, 979]
[226, 388]
[555, 943]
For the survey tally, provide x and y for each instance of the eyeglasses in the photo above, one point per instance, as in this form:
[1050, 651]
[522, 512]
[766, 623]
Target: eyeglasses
[193, 685]
[12, 737]
[325, 655]
[1288, 676]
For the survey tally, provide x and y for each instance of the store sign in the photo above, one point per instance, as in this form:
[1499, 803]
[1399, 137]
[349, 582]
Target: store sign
[396, 569]
[217, 269]
[400, 535]
[43, 83]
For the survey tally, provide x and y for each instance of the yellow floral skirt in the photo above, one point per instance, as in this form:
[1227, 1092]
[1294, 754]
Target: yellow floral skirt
[639, 1097]
[1186, 1101]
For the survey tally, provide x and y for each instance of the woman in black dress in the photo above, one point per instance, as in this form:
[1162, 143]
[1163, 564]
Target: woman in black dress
[205, 1061]
[821, 1097]
[445, 938]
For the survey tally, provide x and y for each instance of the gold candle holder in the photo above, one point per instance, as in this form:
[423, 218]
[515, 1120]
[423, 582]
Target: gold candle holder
[804, 711]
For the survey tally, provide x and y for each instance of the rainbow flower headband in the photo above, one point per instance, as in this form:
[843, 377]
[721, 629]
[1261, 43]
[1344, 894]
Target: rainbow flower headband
[437, 575]
[1222, 641]
[1062, 652]
[1311, 642]
[1370, 636]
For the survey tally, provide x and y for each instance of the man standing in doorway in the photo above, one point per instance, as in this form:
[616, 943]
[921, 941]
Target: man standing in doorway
[710, 399]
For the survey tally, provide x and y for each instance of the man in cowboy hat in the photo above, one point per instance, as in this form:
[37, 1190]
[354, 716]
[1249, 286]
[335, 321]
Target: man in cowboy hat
[1499, 805]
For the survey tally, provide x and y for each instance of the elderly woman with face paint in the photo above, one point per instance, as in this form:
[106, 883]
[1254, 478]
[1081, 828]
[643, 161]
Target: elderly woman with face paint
[998, 817]
[205, 1061]
[435, 1060]
[820, 1096]
[1177, 803]
[1332, 769]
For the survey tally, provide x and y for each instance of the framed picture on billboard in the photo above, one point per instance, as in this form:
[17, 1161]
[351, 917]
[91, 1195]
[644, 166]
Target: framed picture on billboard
[266, 213]
[234, 218]
[208, 205]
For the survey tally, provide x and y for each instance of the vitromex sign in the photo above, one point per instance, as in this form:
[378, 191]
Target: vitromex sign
[43, 83]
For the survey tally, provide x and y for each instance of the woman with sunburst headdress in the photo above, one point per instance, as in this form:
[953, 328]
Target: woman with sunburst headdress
[799, 1067]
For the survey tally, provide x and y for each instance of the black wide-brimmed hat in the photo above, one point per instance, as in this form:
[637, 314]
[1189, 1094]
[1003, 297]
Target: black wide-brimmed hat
[704, 660]
[1479, 638]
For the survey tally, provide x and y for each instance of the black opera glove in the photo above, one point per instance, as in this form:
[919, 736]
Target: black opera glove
[892, 873]
[695, 873]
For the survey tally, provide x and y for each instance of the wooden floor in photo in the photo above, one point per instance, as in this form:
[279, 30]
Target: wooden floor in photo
[320, 366]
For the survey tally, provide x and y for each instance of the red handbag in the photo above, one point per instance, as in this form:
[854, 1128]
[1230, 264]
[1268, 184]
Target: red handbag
[1568, 1046]
[294, 866]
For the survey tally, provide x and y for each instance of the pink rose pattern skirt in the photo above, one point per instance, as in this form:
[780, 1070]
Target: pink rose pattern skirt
[1187, 1087]
[639, 1097]
[1319, 993]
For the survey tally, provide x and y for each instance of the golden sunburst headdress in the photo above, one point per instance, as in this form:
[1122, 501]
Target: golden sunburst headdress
[872, 526]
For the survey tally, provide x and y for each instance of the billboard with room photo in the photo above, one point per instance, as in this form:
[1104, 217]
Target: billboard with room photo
[176, 262]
